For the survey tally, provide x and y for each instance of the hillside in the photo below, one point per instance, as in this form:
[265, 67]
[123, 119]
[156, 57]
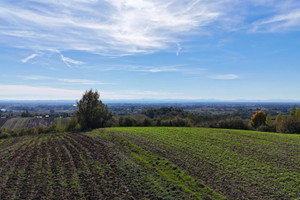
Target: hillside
[18, 122]
[151, 163]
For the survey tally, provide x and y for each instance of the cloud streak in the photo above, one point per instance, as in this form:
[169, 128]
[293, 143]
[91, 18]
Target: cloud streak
[285, 18]
[105, 27]
[149, 69]
[224, 76]
[64, 80]
[69, 61]
[25, 92]
[25, 60]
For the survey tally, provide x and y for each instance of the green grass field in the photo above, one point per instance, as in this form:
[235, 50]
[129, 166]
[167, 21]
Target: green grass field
[15, 123]
[237, 164]
[61, 122]
[151, 163]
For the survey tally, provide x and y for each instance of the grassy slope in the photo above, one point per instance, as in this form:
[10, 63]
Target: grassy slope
[15, 123]
[237, 164]
[61, 122]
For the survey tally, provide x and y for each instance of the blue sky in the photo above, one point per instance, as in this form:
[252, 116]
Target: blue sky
[150, 49]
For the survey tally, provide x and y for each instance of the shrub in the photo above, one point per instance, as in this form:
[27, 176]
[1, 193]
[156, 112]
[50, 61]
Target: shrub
[232, 123]
[72, 125]
[127, 121]
[289, 125]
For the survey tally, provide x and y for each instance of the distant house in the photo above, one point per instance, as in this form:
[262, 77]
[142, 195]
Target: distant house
[47, 116]
[39, 117]
[3, 110]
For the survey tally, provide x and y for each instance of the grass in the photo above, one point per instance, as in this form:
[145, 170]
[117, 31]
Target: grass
[61, 122]
[237, 164]
[151, 163]
[15, 123]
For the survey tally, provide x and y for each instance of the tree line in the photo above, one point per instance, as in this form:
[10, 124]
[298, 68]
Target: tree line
[91, 113]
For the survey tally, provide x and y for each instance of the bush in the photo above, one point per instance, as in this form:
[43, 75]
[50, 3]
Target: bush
[233, 123]
[267, 128]
[127, 121]
[289, 125]
[72, 125]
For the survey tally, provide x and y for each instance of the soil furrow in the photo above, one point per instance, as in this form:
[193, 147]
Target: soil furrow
[14, 170]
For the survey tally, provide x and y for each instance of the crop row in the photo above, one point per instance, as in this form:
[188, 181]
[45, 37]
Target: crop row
[238, 164]
[89, 166]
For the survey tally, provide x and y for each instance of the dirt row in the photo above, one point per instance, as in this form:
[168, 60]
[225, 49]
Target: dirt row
[230, 184]
[74, 166]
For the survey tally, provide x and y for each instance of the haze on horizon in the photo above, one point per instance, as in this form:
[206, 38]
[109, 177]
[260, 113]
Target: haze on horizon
[140, 49]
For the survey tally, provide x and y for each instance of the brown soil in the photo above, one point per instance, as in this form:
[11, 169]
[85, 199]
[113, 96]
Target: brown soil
[73, 166]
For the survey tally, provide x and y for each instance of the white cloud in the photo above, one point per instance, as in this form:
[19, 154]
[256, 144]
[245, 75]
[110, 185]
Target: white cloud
[81, 81]
[178, 49]
[285, 17]
[24, 92]
[150, 69]
[25, 60]
[65, 80]
[141, 94]
[105, 27]
[224, 76]
[68, 61]
[280, 22]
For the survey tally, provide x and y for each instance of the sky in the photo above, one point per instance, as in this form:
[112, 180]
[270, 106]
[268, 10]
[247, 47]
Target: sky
[195, 50]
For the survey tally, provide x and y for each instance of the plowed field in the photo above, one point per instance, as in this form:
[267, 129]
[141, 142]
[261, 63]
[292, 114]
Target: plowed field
[90, 166]
[236, 163]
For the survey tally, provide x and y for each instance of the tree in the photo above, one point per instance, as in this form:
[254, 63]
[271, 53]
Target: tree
[269, 120]
[298, 113]
[289, 125]
[293, 111]
[258, 119]
[278, 118]
[92, 113]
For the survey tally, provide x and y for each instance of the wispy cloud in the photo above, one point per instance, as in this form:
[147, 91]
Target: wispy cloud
[286, 17]
[141, 94]
[65, 80]
[69, 61]
[178, 49]
[25, 60]
[150, 69]
[25, 92]
[105, 27]
[224, 76]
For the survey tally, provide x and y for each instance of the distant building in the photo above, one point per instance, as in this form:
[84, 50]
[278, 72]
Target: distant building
[47, 116]
[3, 110]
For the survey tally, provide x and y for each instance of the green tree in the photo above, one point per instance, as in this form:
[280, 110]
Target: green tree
[92, 113]
[258, 119]
[289, 125]
[298, 113]
[278, 118]
[293, 111]
[269, 119]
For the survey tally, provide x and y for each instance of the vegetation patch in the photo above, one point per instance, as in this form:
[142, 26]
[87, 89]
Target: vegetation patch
[237, 164]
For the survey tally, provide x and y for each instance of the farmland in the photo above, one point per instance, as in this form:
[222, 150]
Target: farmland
[30, 122]
[151, 163]
[237, 164]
